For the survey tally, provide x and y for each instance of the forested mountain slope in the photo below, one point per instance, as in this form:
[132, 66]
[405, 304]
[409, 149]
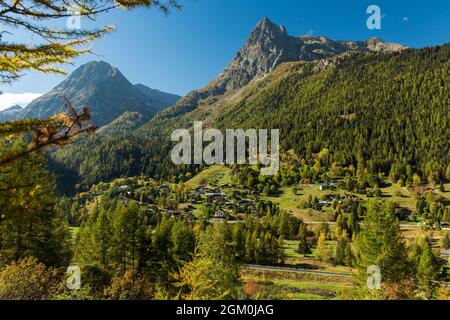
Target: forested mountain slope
[386, 112]
[268, 46]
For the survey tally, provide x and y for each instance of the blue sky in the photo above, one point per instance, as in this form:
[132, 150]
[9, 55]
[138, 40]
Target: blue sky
[188, 48]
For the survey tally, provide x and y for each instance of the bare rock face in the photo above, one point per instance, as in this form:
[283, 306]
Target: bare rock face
[378, 45]
[267, 46]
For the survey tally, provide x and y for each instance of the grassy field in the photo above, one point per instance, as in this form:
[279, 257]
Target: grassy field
[295, 259]
[399, 195]
[282, 285]
[445, 194]
[290, 202]
[219, 173]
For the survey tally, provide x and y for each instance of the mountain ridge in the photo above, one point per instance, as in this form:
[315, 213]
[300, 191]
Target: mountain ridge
[105, 90]
[10, 113]
[267, 46]
[373, 110]
[364, 108]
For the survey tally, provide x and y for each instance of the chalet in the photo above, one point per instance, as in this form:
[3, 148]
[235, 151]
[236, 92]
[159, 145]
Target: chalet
[325, 203]
[213, 194]
[219, 216]
[327, 186]
[200, 191]
[422, 190]
[214, 197]
[174, 213]
[445, 253]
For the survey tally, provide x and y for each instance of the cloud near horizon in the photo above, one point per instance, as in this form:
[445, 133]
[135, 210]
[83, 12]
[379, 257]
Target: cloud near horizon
[22, 99]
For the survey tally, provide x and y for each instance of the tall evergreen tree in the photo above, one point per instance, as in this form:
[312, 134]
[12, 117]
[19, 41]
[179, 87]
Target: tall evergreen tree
[30, 225]
[213, 273]
[303, 246]
[381, 244]
[426, 271]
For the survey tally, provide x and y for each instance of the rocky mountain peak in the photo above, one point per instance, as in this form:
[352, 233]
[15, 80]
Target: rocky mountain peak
[269, 45]
[266, 29]
[91, 74]
[379, 45]
[105, 90]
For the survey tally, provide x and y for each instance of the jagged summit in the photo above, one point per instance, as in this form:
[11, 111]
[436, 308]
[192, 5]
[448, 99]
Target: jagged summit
[269, 45]
[91, 74]
[267, 28]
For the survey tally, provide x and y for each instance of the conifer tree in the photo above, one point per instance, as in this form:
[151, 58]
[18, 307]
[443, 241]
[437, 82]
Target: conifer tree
[29, 223]
[426, 271]
[339, 252]
[239, 241]
[249, 248]
[303, 246]
[381, 244]
[213, 273]
[348, 255]
[183, 241]
[101, 234]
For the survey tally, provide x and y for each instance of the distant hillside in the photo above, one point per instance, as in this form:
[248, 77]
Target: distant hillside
[105, 90]
[268, 46]
[384, 112]
[125, 123]
[372, 104]
[157, 98]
